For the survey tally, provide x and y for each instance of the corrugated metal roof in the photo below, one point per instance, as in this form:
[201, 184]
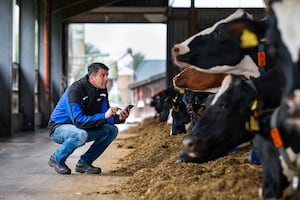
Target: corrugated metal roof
[149, 68]
[149, 71]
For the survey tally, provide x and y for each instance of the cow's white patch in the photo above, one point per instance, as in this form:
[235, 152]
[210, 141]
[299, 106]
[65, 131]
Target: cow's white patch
[193, 154]
[246, 67]
[170, 118]
[295, 158]
[288, 16]
[225, 84]
[212, 90]
[188, 126]
[237, 14]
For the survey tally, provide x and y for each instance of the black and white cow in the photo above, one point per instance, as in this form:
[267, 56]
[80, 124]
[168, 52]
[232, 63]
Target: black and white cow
[196, 103]
[216, 51]
[283, 36]
[169, 106]
[224, 49]
[162, 103]
[180, 114]
[221, 127]
[278, 146]
[228, 47]
[277, 174]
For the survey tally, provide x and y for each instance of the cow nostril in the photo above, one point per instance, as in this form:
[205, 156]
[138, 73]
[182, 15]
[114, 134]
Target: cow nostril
[176, 50]
[188, 142]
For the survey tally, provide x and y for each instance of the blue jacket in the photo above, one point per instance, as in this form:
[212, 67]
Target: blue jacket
[82, 105]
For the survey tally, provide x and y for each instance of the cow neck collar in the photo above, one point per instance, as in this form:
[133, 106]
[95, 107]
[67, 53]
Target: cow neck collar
[255, 106]
[258, 55]
[261, 54]
[278, 143]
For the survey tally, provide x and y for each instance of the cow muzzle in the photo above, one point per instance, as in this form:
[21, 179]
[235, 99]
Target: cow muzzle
[292, 121]
[189, 146]
[179, 49]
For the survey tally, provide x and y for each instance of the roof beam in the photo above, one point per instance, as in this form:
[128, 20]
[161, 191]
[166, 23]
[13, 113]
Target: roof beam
[70, 9]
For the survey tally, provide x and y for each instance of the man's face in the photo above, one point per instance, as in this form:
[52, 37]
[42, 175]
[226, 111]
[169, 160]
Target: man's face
[99, 80]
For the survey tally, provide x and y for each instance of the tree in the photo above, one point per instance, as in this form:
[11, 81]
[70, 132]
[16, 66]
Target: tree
[137, 59]
[92, 53]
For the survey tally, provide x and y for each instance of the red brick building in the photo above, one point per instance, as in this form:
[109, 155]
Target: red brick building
[150, 78]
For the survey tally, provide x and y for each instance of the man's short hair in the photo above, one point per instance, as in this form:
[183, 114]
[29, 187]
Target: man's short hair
[94, 68]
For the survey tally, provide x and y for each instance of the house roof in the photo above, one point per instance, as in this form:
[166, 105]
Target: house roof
[148, 71]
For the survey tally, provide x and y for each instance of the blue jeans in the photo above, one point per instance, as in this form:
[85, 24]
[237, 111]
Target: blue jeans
[70, 137]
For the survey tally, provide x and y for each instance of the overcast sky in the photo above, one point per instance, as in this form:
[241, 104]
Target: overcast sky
[115, 39]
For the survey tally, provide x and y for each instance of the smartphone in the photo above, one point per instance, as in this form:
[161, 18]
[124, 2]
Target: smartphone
[129, 106]
[126, 108]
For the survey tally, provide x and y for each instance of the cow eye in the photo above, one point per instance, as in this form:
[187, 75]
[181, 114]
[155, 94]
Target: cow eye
[217, 34]
[223, 106]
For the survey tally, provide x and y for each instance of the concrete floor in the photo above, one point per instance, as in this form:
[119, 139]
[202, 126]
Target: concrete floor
[25, 174]
[23, 162]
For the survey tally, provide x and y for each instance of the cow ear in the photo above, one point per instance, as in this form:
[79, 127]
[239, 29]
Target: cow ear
[248, 39]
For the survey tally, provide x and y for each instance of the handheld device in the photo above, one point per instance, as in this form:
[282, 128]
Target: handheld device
[129, 106]
[126, 108]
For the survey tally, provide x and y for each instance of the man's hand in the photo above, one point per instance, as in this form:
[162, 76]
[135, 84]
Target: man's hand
[111, 111]
[124, 114]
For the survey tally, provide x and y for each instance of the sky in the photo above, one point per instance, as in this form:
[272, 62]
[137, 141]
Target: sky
[115, 39]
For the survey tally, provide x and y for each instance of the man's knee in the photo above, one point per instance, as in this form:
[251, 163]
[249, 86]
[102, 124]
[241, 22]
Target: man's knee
[114, 131]
[81, 137]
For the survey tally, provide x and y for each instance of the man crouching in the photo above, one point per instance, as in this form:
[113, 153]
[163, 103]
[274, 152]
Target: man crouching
[83, 114]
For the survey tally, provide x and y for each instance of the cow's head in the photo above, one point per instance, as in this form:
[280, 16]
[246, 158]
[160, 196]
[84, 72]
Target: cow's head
[157, 102]
[194, 80]
[221, 127]
[162, 102]
[226, 47]
[180, 115]
[289, 115]
[196, 103]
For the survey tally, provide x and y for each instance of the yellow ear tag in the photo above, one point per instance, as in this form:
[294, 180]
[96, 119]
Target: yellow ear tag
[248, 39]
[181, 91]
[200, 111]
[253, 124]
[254, 104]
[247, 126]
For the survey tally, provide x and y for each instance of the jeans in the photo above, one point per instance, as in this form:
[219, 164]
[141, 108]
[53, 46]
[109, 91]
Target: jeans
[70, 137]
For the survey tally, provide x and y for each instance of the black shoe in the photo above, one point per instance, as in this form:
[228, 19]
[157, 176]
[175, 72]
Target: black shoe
[60, 168]
[87, 168]
[51, 161]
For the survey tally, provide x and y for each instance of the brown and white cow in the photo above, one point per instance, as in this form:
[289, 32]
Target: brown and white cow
[194, 80]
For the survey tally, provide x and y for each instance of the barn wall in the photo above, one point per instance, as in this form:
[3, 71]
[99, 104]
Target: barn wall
[143, 95]
[6, 22]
